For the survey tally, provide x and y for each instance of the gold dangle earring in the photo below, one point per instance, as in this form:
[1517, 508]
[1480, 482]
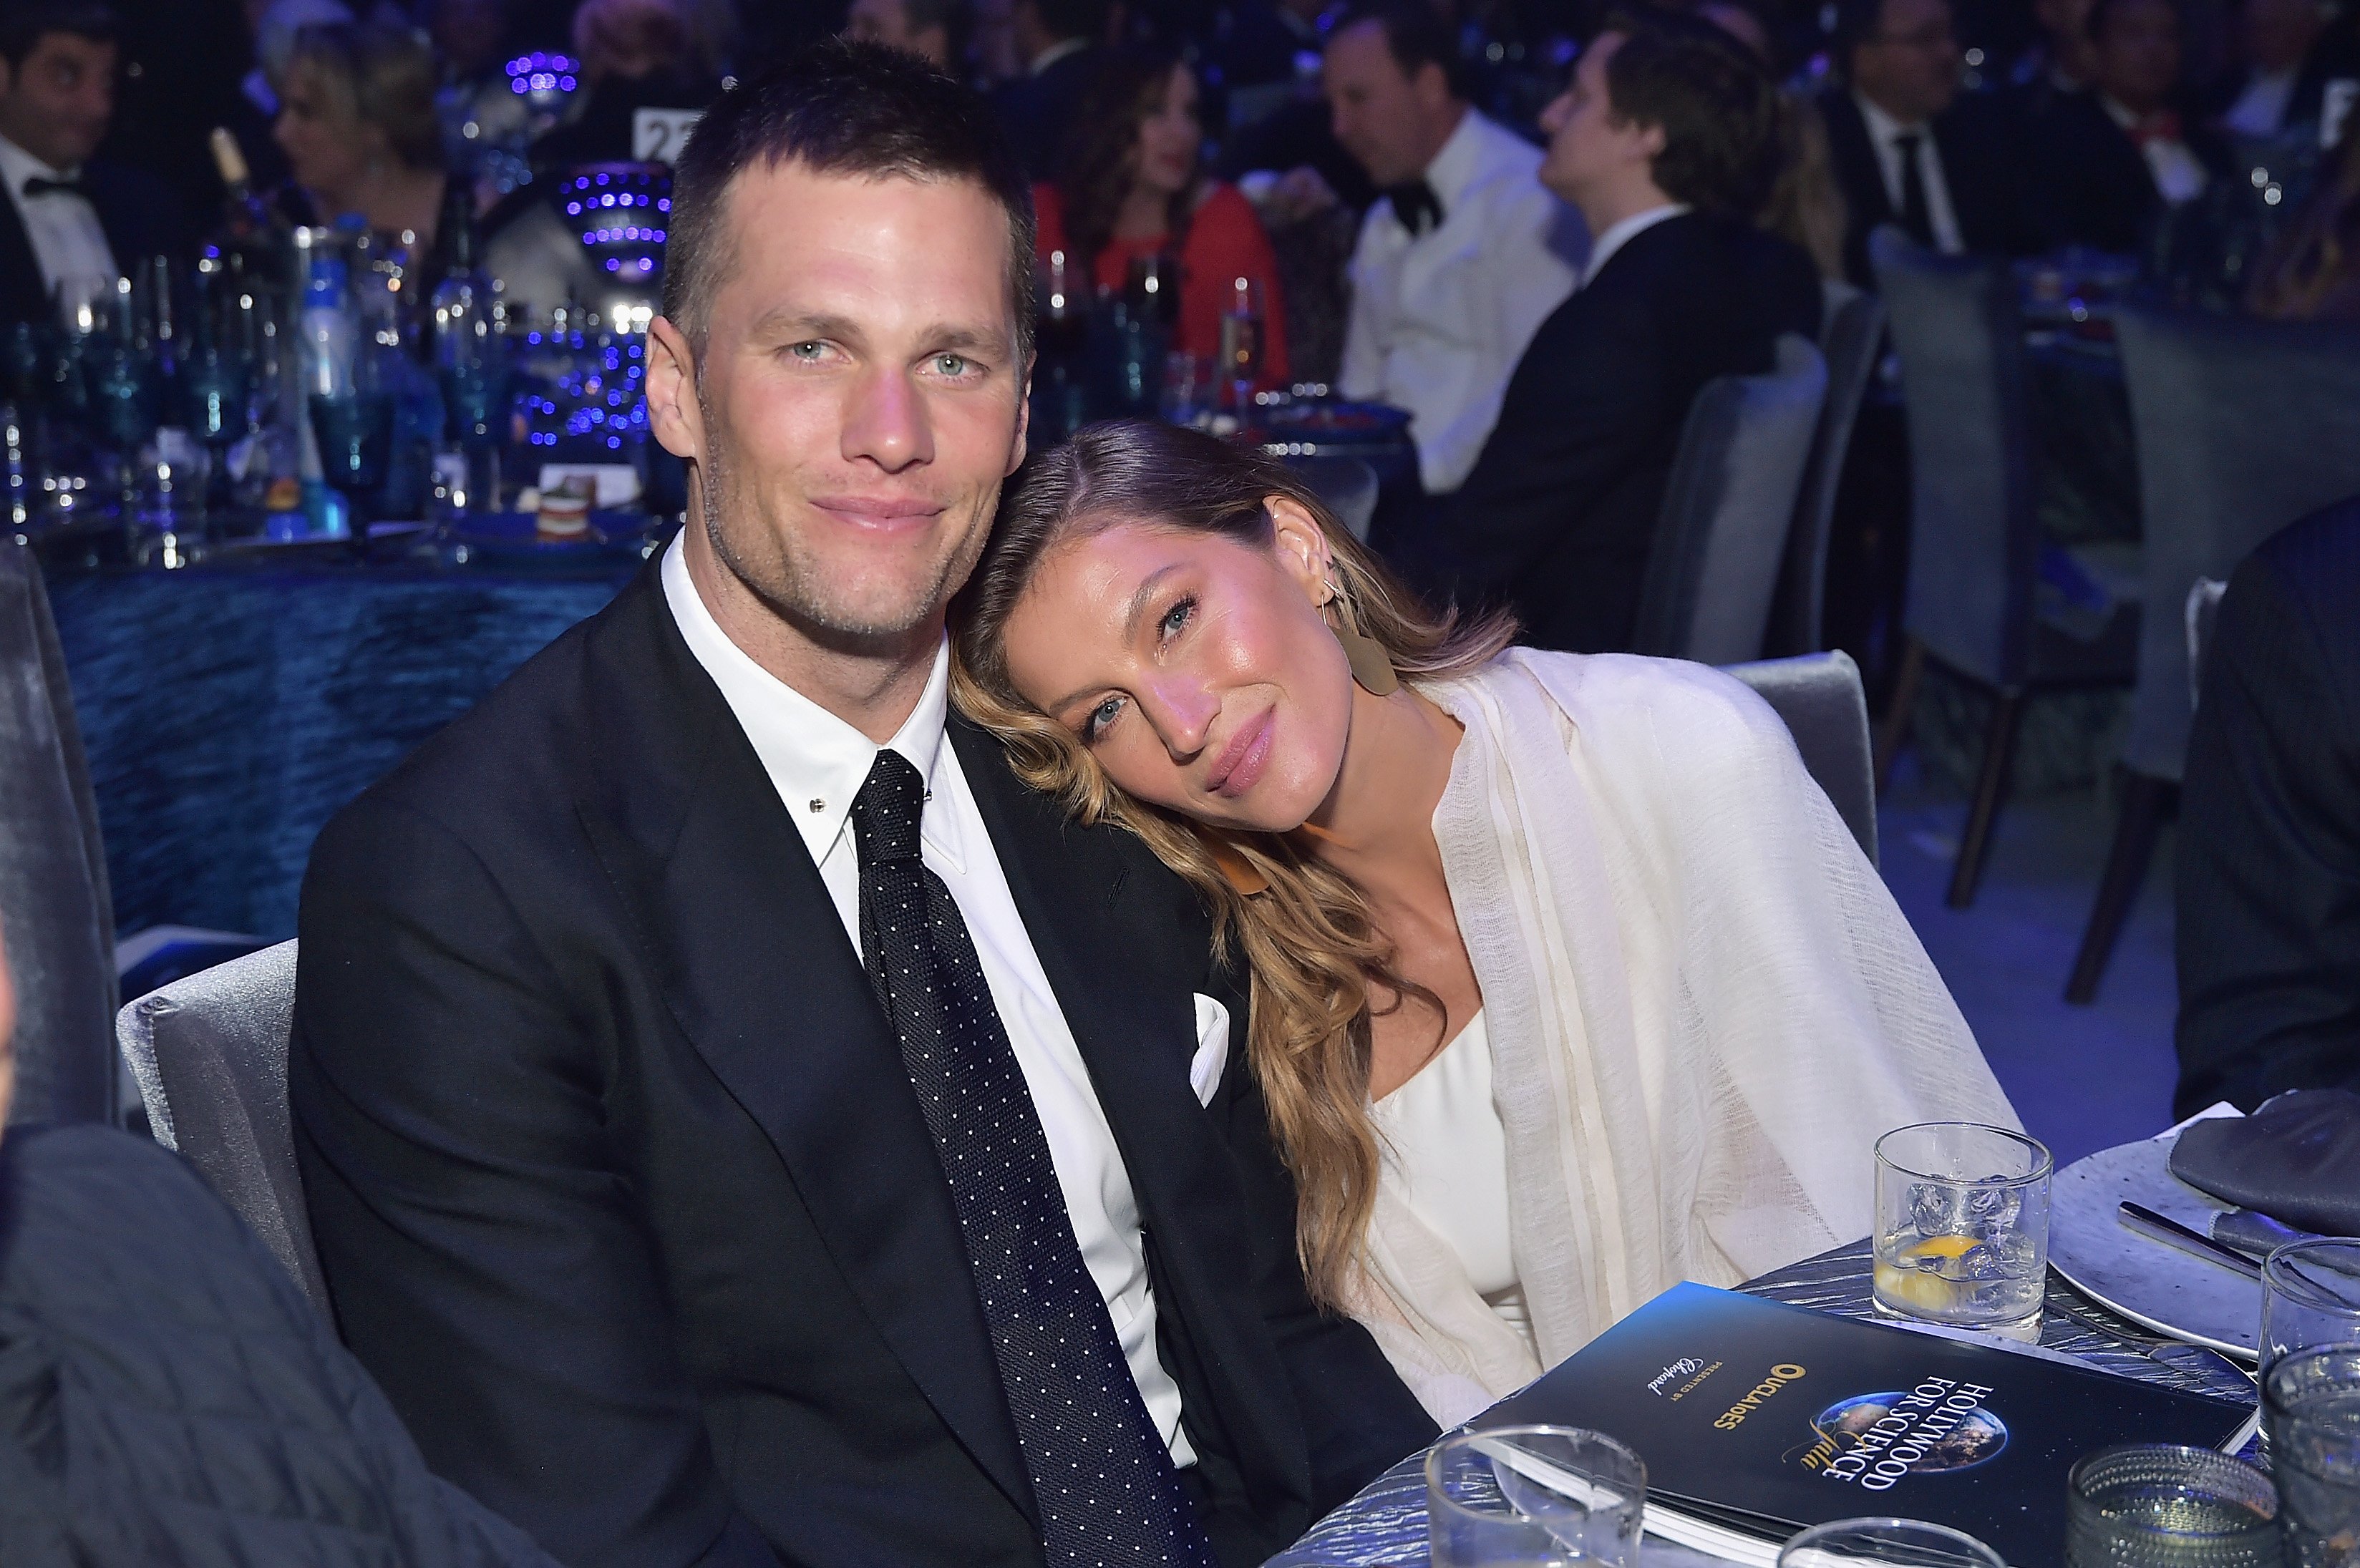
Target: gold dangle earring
[1371, 665]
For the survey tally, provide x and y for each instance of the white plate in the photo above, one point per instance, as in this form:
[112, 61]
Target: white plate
[2160, 1286]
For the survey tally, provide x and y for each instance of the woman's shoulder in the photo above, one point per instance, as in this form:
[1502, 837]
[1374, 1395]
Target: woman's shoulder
[1223, 214]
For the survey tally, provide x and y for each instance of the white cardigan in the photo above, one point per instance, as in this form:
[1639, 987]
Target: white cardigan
[1704, 1007]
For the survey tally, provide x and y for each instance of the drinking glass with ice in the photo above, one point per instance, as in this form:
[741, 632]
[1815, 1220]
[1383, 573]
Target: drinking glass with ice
[1962, 1226]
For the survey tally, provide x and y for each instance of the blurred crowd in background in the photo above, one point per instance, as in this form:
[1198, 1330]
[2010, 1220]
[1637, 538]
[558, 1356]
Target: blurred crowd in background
[1258, 131]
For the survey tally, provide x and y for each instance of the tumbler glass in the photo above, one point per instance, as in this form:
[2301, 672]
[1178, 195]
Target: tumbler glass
[2311, 1408]
[2160, 1506]
[1533, 1497]
[1900, 1542]
[1962, 1226]
[2311, 1295]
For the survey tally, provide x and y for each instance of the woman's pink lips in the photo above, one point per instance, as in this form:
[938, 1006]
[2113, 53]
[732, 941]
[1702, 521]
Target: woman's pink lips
[1239, 766]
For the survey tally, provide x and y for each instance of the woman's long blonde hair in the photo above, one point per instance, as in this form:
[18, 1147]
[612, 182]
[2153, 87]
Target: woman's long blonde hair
[1303, 930]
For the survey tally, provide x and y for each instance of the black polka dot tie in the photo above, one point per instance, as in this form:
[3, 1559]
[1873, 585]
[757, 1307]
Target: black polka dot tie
[1104, 1481]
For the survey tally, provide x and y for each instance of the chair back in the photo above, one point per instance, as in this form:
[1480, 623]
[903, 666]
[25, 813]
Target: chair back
[2242, 427]
[2203, 610]
[1348, 485]
[1820, 696]
[209, 1055]
[1851, 332]
[1727, 510]
[55, 913]
[1973, 546]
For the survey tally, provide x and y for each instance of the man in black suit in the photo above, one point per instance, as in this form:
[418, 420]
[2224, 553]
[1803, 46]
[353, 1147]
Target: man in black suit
[741, 1123]
[2268, 928]
[69, 218]
[1667, 141]
[1909, 149]
[1057, 40]
[2113, 159]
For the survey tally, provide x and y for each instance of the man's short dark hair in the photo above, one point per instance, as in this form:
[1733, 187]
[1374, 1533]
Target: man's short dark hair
[25, 23]
[1063, 19]
[1416, 35]
[1717, 105]
[2093, 24]
[844, 108]
[1857, 22]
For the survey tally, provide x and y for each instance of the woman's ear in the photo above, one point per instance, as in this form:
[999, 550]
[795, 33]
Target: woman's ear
[1301, 546]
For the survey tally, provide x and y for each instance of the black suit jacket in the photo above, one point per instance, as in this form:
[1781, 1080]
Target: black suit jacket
[1982, 169]
[623, 1196]
[136, 211]
[2089, 184]
[2268, 925]
[1560, 511]
[1036, 111]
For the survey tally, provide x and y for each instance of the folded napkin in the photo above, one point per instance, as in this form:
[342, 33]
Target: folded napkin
[2254, 1232]
[2296, 1160]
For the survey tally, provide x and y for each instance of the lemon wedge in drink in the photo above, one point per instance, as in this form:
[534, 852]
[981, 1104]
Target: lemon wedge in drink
[1907, 1282]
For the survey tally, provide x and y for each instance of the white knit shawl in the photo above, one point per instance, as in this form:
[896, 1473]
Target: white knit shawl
[1703, 1006]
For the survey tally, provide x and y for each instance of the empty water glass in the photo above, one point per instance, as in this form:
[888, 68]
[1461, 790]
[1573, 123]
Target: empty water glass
[2311, 1408]
[1533, 1497]
[1962, 1226]
[2310, 1296]
[2160, 1506]
[1898, 1543]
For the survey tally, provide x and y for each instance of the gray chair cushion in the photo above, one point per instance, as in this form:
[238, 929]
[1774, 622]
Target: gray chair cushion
[210, 1055]
[1820, 697]
[2243, 427]
[53, 898]
[1728, 510]
[1850, 336]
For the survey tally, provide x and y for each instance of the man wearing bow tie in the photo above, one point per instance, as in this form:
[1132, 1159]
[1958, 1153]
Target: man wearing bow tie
[70, 219]
[1465, 254]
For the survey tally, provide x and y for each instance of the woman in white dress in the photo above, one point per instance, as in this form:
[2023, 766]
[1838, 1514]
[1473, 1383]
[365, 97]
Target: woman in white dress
[1569, 983]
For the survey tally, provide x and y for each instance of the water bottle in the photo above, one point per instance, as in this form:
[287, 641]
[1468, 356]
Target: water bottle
[330, 328]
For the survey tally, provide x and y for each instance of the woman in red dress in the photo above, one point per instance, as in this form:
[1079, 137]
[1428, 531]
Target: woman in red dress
[1131, 188]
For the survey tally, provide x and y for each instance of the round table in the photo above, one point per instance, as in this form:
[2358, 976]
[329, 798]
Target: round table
[229, 709]
[1384, 1526]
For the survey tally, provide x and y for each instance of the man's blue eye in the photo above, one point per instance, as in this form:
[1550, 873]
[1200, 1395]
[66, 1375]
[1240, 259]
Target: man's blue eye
[951, 363]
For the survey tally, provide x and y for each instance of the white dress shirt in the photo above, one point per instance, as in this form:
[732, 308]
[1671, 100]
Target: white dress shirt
[1440, 318]
[2180, 175]
[1621, 232]
[67, 239]
[1884, 134]
[817, 763]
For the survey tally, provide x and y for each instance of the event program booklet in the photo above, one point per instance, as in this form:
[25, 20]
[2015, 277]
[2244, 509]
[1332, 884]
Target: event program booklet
[1757, 1419]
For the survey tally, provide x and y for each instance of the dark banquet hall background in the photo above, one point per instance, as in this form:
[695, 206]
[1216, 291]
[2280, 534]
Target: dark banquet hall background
[1893, 465]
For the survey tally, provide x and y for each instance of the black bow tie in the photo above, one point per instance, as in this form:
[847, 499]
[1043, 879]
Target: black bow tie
[41, 185]
[1416, 204]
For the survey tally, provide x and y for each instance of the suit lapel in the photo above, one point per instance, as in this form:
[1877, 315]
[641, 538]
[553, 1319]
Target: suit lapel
[23, 294]
[1115, 935]
[759, 972]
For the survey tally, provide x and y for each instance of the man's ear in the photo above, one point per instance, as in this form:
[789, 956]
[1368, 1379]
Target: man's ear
[1433, 85]
[674, 415]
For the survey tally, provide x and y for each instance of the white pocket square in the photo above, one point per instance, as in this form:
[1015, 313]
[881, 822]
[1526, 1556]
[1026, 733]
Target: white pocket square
[1212, 1048]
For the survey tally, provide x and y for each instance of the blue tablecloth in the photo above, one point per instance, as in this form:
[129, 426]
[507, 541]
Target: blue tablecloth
[1384, 1526]
[229, 711]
